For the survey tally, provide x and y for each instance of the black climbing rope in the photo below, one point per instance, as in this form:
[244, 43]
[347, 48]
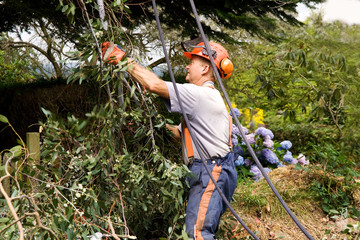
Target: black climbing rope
[240, 128]
[189, 125]
[193, 136]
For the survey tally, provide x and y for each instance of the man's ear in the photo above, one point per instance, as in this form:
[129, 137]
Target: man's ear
[205, 69]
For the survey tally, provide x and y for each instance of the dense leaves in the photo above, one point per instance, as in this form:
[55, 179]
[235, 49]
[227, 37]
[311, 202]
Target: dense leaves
[256, 17]
[105, 171]
[116, 171]
[15, 69]
[313, 71]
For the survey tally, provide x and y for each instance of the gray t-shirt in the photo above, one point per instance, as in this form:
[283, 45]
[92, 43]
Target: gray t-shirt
[207, 115]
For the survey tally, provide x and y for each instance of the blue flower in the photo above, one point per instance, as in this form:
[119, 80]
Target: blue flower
[245, 130]
[247, 162]
[239, 150]
[286, 145]
[251, 138]
[288, 157]
[267, 170]
[268, 142]
[239, 161]
[270, 156]
[261, 131]
[237, 112]
[235, 130]
[256, 171]
[234, 140]
[280, 164]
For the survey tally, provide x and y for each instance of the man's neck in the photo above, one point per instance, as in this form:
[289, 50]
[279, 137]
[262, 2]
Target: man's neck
[202, 81]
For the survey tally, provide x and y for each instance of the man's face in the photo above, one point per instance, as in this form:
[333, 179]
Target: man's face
[194, 69]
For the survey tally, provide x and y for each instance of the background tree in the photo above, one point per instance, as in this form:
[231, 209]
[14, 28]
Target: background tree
[257, 18]
[114, 169]
[14, 68]
[47, 54]
[253, 16]
[312, 70]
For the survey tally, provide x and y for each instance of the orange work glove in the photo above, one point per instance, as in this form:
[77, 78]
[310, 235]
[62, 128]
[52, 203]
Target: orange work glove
[112, 53]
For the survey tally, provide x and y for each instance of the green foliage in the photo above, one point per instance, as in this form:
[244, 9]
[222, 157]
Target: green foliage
[313, 71]
[14, 69]
[258, 18]
[337, 186]
[303, 135]
[114, 168]
[106, 167]
[112, 154]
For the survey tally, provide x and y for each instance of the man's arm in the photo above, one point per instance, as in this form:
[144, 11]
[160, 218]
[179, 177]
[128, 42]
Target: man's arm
[147, 78]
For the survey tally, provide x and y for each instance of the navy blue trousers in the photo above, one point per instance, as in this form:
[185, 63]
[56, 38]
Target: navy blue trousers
[205, 205]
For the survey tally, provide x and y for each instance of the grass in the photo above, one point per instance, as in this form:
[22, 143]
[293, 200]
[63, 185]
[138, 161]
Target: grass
[259, 208]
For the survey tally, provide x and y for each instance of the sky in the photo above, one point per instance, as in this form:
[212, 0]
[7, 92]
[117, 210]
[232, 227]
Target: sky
[345, 10]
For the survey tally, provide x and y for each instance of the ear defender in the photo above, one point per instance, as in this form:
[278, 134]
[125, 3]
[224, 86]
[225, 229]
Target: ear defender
[218, 52]
[226, 68]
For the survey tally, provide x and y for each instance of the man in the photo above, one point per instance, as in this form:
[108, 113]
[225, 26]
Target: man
[210, 123]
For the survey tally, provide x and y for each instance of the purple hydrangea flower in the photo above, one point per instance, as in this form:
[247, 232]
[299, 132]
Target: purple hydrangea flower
[302, 160]
[245, 130]
[261, 131]
[235, 130]
[267, 170]
[239, 161]
[247, 162]
[234, 140]
[286, 145]
[251, 138]
[239, 150]
[257, 173]
[268, 142]
[237, 112]
[294, 161]
[288, 157]
[269, 156]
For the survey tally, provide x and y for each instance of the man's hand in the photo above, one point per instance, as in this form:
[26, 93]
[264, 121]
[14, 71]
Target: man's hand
[175, 131]
[112, 53]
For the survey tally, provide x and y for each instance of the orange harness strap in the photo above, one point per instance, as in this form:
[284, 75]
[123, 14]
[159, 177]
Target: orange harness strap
[188, 142]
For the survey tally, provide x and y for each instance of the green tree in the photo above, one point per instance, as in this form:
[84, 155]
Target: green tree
[15, 68]
[313, 70]
[43, 49]
[256, 17]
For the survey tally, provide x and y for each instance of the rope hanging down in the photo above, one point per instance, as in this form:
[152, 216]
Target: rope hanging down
[189, 125]
[236, 122]
[240, 128]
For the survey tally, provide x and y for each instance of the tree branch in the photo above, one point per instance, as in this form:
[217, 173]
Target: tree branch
[157, 62]
[8, 199]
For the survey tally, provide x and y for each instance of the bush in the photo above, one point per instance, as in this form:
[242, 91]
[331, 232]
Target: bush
[109, 169]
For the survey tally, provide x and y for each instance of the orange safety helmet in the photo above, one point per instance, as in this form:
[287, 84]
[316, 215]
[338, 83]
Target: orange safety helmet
[219, 54]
